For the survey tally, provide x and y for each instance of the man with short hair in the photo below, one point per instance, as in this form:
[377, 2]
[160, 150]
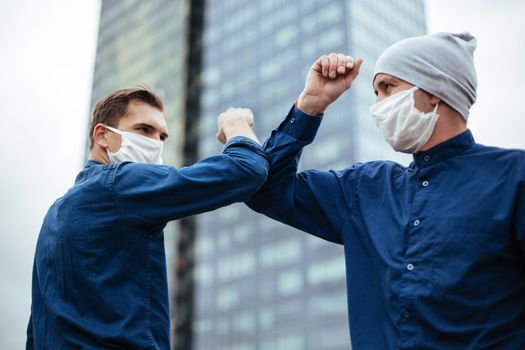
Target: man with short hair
[99, 276]
[435, 252]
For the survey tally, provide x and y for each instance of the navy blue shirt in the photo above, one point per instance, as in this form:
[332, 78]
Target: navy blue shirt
[99, 276]
[435, 252]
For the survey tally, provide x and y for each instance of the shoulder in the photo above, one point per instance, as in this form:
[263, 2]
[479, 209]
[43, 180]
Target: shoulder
[138, 169]
[381, 168]
[129, 173]
[373, 169]
[505, 155]
[501, 160]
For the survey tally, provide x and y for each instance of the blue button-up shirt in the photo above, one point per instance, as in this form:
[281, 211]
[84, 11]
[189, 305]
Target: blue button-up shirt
[435, 252]
[99, 276]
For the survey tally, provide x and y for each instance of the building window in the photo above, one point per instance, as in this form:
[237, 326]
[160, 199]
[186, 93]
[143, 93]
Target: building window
[290, 282]
[204, 274]
[236, 266]
[244, 322]
[327, 304]
[227, 297]
[326, 271]
[281, 253]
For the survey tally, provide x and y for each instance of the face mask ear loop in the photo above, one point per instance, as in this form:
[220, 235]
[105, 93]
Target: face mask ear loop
[113, 130]
[436, 109]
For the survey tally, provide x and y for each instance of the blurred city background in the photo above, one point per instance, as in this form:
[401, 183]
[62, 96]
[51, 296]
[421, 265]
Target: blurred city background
[255, 283]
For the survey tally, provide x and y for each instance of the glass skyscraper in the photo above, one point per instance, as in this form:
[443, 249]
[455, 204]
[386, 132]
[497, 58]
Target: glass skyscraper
[258, 284]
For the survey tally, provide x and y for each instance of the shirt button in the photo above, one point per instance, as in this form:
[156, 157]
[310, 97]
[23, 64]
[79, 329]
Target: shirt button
[417, 222]
[426, 158]
[292, 120]
[425, 183]
[406, 314]
[410, 267]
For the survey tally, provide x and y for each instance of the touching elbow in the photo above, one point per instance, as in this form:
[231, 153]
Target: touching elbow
[260, 178]
[257, 178]
[252, 180]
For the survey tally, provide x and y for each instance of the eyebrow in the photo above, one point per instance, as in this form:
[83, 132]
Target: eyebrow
[385, 79]
[382, 80]
[146, 125]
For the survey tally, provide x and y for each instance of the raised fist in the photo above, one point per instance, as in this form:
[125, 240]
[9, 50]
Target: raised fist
[327, 79]
[234, 122]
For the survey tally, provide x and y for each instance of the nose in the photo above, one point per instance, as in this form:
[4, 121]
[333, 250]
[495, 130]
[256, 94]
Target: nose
[380, 96]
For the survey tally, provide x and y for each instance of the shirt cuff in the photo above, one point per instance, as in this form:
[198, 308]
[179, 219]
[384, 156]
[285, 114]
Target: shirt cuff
[244, 140]
[301, 126]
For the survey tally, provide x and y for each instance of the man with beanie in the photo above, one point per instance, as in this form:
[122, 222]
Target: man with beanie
[435, 252]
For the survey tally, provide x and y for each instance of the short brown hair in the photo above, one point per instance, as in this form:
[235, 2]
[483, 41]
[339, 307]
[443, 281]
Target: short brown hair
[114, 106]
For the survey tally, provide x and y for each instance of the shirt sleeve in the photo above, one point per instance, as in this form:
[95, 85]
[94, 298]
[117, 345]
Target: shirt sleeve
[313, 201]
[519, 214]
[30, 339]
[148, 194]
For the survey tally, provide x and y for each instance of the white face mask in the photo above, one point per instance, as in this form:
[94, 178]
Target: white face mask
[404, 127]
[136, 148]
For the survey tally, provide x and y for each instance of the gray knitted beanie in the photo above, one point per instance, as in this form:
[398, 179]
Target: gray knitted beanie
[441, 64]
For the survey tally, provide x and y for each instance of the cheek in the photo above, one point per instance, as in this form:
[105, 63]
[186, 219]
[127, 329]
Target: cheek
[114, 142]
[422, 102]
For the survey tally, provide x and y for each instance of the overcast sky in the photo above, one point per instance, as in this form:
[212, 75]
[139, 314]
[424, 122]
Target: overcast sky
[46, 66]
[46, 63]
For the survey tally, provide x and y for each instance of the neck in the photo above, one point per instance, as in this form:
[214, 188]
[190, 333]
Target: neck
[99, 154]
[448, 125]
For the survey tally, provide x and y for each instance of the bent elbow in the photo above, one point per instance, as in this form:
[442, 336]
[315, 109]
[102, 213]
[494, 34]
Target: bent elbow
[252, 180]
[260, 177]
[257, 178]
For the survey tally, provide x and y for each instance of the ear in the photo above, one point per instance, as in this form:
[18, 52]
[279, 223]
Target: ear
[99, 135]
[434, 100]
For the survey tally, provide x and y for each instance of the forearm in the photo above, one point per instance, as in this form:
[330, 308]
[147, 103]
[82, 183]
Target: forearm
[150, 195]
[214, 182]
[284, 148]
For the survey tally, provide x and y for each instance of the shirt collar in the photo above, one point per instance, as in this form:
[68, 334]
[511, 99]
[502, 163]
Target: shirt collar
[88, 170]
[444, 150]
[92, 162]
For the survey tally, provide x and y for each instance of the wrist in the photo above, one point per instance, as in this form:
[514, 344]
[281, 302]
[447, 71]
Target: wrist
[236, 127]
[311, 105]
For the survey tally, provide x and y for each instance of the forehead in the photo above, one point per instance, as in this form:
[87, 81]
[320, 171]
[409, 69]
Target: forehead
[382, 78]
[141, 112]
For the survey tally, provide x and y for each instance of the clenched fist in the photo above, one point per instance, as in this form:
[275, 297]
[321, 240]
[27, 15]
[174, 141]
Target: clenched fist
[235, 122]
[327, 79]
